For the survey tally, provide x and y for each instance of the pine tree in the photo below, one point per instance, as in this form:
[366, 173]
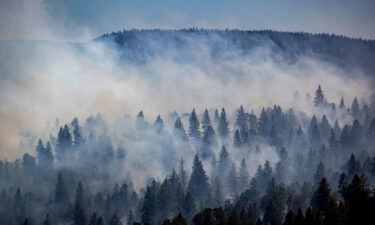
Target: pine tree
[158, 125]
[64, 142]
[320, 173]
[209, 143]
[263, 124]
[244, 178]
[182, 174]
[45, 156]
[321, 196]
[150, 213]
[140, 121]
[130, 219]
[222, 127]
[206, 121]
[189, 206]
[61, 191]
[198, 183]
[233, 180]
[79, 214]
[179, 130]
[224, 162]
[77, 132]
[342, 104]
[275, 204]
[319, 99]
[194, 131]
[333, 142]
[355, 108]
[237, 139]
[353, 165]
[325, 127]
[217, 193]
[241, 117]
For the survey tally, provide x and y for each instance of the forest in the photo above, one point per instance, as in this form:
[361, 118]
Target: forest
[224, 166]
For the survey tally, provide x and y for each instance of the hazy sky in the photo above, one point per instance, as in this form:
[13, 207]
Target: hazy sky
[85, 19]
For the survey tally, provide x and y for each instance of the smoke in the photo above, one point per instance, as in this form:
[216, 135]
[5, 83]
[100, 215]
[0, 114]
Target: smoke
[42, 81]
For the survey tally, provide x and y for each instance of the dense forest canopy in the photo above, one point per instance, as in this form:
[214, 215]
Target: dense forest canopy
[278, 166]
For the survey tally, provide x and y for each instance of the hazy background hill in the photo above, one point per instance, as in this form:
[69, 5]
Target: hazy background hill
[347, 53]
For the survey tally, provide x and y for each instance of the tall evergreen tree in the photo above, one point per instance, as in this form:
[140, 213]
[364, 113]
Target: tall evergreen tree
[198, 183]
[244, 178]
[319, 99]
[79, 214]
[222, 126]
[64, 142]
[209, 143]
[275, 204]
[237, 139]
[158, 125]
[206, 121]
[61, 191]
[263, 123]
[241, 117]
[322, 196]
[194, 131]
[179, 130]
[355, 108]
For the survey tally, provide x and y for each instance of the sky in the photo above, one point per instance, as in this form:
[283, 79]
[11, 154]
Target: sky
[83, 20]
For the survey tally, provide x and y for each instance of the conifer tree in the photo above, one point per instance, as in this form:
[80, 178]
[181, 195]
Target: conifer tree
[355, 108]
[79, 214]
[321, 196]
[179, 130]
[241, 117]
[158, 125]
[198, 183]
[64, 142]
[209, 143]
[233, 180]
[244, 178]
[319, 99]
[61, 191]
[237, 139]
[222, 126]
[263, 125]
[194, 131]
[206, 121]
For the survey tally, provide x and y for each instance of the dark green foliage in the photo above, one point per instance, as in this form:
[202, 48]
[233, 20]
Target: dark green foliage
[322, 196]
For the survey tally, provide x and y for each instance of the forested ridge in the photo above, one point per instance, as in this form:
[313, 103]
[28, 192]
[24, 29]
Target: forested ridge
[349, 53]
[277, 166]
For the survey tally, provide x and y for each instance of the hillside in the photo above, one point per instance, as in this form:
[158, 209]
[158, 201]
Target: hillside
[347, 53]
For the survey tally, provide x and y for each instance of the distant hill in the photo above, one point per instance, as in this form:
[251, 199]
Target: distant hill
[347, 53]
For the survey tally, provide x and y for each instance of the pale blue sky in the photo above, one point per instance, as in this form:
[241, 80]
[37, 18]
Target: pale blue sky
[78, 19]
